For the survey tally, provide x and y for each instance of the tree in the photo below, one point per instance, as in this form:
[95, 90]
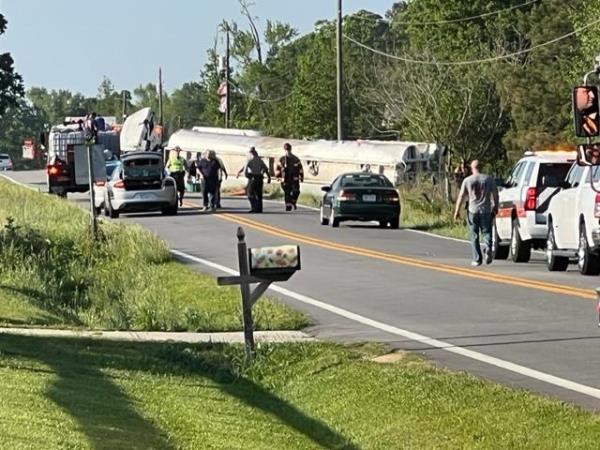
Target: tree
[20, 121]
[11, 83]
[186, 106]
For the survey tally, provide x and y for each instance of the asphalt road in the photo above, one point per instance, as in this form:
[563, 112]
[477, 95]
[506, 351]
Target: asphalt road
[516, 324]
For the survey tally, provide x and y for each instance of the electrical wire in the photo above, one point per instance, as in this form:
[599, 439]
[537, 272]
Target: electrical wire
[445, 21]
[474, 61]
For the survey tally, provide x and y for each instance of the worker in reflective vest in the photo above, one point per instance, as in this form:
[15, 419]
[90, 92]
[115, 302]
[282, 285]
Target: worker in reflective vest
[290, 172]
[176, 167]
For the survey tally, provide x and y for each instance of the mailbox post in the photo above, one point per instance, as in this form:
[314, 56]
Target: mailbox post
[260, 266]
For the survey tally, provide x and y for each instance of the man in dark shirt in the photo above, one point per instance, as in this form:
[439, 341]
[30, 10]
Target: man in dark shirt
[209, 169]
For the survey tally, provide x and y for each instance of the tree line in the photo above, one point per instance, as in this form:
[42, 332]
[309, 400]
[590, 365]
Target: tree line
[487, 78]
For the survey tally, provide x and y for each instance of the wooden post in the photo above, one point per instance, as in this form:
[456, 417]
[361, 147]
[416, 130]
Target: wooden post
[90, 161]
[246, 295]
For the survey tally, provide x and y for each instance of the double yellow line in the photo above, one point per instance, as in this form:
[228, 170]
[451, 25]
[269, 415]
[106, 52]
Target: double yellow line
[412, 262]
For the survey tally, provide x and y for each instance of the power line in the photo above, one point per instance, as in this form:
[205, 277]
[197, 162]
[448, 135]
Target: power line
[445, 21]
[475, 61]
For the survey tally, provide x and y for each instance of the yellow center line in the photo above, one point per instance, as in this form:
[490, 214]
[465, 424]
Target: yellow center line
[413, 262]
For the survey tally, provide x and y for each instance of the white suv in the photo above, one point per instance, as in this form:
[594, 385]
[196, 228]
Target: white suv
[521, 222]
[574, 223]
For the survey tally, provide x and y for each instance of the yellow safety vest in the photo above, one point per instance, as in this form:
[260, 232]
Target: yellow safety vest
[176, 164]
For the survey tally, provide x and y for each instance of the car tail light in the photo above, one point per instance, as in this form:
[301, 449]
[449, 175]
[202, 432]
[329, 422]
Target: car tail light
[531, 199]
[597, 207]
[346, 196]
[391, 197]
[53, 170]
[119, 185]
[100, 183]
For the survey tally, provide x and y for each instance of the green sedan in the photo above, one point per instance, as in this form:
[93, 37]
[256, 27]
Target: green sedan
[363, 197]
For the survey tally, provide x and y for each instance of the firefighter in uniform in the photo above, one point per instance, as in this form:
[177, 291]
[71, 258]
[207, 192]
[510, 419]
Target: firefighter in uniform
[290, 172]
[255, 170]
[177, 168]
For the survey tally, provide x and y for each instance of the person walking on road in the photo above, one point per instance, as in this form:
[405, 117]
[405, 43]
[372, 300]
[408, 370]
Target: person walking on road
[482, 194]
[255, 170]
[209, 169]
[291, 173]
[222, 176]
[177, 168]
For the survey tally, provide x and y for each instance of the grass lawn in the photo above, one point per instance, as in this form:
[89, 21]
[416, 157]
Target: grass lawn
[52, 273]
[68, 393]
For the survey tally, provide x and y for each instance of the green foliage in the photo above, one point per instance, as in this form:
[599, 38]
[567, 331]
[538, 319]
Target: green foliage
[66, 393]
[123, 280]
[11, 83]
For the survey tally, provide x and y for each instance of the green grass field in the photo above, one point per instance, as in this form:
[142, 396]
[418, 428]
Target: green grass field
[52, 273]
[69, 393]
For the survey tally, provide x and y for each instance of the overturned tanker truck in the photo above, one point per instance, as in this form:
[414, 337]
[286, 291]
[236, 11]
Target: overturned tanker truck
[323, 160]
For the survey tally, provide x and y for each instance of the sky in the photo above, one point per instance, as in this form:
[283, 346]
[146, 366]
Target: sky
[67, 44]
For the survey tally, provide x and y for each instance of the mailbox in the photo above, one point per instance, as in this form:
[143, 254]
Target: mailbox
[274, 263]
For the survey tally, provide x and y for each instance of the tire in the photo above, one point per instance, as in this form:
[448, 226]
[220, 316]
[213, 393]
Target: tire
[324, 220]
[498, 251]
[113, 214]
[554, 263]
[395, 223]
[383, 223]
[520, 250]
[98, 211]
[170, 211]
[587, 261]
[333, 221]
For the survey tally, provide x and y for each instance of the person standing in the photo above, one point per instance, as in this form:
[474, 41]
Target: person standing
[255, 170]
[482, 194]
[209, 169]
[291, 173]
[177, 168]
[222, 175]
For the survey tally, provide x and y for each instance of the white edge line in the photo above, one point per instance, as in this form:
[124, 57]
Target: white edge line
[12, 180]
[442, 345]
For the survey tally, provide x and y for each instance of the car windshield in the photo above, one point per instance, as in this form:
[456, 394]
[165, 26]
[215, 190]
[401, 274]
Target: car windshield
[4, 156]
[365, 180]
[142, 168]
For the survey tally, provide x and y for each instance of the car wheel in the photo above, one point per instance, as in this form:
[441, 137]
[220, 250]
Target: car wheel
[383, 224]
[333, 221]
[112, 213]
[98, 210]
[395, 223]
[499, 251]
[587, 261]
[170, 211]
[554, 263]
[324, 220]
[520, 250]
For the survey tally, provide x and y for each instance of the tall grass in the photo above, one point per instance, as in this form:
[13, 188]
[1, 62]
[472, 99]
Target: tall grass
[124, 279]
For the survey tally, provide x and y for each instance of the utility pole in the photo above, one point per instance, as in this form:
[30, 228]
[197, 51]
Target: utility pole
[340, 74]
[126, 95]
[227, 81]
[160, 97]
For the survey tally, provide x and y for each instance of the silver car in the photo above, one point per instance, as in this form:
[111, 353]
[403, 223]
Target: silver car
[140, 184]
[5, 162]
[100, 185]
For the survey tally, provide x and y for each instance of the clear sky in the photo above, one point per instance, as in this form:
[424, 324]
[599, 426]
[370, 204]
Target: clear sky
[72, 44]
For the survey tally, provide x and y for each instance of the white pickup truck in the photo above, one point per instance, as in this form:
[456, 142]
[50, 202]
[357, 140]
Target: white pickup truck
[574, 223]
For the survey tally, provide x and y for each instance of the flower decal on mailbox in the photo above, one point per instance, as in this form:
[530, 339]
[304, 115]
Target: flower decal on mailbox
[269, 259]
